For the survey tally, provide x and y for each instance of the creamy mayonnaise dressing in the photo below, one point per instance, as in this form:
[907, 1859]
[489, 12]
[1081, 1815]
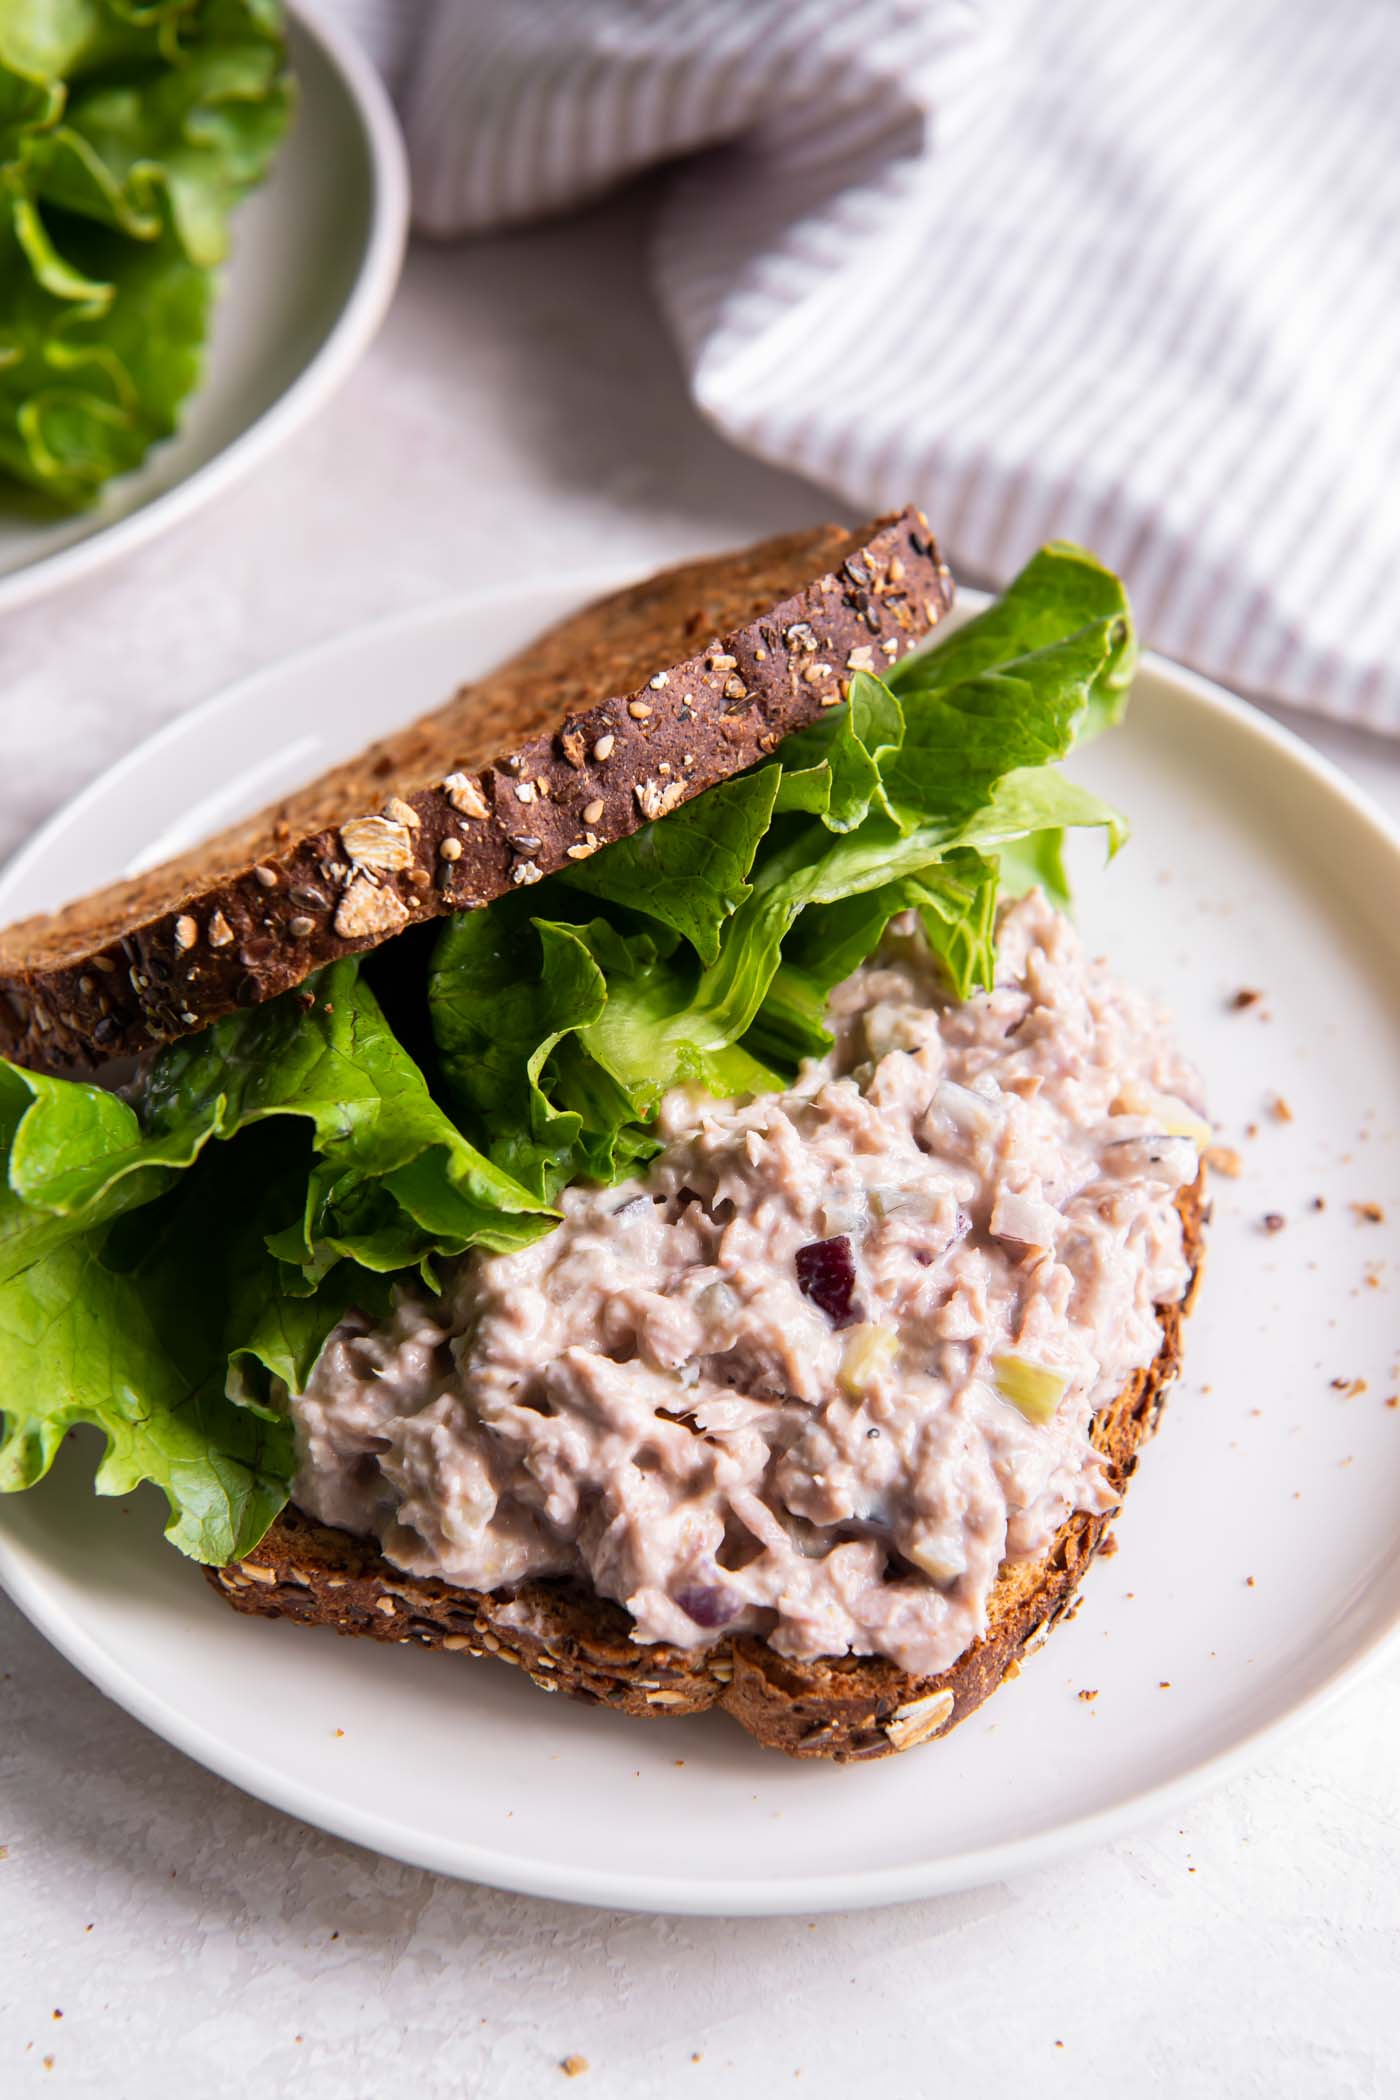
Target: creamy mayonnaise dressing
[764, 1386]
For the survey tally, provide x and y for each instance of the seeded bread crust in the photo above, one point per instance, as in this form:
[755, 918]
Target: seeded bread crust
[617, 716]
[566, 1639]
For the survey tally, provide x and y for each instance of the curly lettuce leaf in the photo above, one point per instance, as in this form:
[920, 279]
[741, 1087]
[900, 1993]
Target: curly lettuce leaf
[76, 1157]
[956, 905]
[558, 1035]
[1061, 591]
[394, 1182]
[164, 1263]
[133, 1332]
[691, 875]
[128, 135]
[507, 992]
[83, 1345]
[89, 382]
[391, 1182]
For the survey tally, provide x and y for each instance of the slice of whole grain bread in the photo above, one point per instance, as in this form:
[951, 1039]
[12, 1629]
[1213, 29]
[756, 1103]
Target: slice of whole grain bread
[617, 716]
[567, 1639]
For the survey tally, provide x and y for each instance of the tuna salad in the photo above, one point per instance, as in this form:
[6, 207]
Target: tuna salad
[831, 1357]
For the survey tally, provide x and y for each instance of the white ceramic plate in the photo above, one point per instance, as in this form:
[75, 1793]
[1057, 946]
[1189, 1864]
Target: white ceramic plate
[1258, 1566]
[316, 256]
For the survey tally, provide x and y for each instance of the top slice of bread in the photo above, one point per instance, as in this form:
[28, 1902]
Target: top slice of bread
[615, 717]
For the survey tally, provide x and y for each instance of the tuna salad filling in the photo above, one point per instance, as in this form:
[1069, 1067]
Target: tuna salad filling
[832, 1358]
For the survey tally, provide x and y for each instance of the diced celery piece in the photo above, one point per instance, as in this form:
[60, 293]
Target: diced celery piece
[870, 1350]
[1034, 1388]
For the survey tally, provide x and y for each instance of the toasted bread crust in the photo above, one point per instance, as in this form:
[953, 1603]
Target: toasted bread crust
[846, 1708]
[619, 715]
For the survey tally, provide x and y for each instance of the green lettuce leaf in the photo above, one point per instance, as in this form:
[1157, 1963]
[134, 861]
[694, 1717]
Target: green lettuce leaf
[507, 990]
[133, 1331]
[164, 1265]
[128, 134]
[84, 1345]
[691, 874]
[955, 900]
[394, 1182]
[557, 1036]
[964, 738]
[1061, 590]
[391, 1181]
[76, 1157]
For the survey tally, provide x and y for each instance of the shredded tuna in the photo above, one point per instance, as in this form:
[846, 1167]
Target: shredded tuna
[674, 1399]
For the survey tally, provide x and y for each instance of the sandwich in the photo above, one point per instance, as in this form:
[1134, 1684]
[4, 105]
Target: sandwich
[634, 1176]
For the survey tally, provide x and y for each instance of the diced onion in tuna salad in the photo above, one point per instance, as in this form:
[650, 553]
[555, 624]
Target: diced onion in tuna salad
[832, 1358]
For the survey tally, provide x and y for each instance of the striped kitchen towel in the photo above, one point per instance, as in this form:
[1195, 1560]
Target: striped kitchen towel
[1122, 273]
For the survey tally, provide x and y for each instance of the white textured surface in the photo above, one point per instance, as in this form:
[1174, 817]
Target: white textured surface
[521, 406]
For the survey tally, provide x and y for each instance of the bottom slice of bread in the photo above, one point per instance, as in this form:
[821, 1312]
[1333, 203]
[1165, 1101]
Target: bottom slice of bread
[569, 1640]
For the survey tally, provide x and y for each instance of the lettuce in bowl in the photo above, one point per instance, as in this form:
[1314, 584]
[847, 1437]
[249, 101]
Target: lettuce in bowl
[129, 131]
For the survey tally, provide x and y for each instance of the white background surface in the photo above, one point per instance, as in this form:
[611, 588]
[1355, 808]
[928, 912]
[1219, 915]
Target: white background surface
[521, 409]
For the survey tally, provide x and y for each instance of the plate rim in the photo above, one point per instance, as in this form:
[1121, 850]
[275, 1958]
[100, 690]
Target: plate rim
[659, 1893]
[340, 350]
